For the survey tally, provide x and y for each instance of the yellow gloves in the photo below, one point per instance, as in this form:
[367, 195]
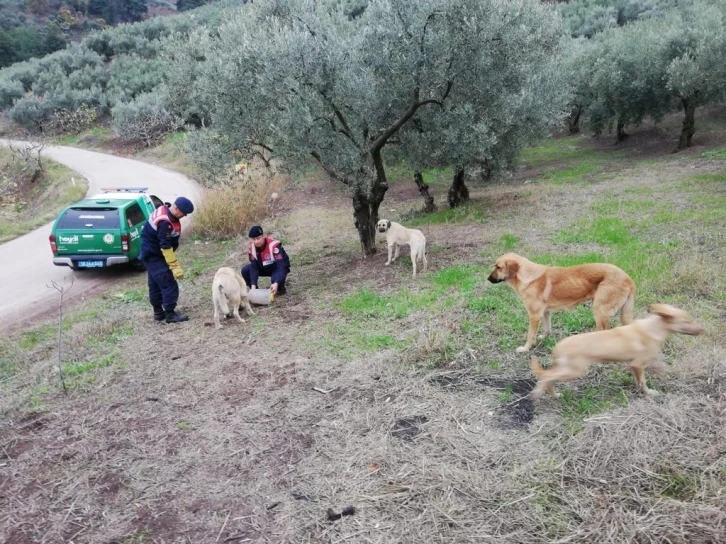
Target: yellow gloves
[170, 259]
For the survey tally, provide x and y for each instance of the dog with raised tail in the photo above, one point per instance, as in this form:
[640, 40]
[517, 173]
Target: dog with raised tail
[229, 292]
[638, 344]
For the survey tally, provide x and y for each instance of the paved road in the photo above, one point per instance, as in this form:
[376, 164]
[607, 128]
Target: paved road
[26, 263]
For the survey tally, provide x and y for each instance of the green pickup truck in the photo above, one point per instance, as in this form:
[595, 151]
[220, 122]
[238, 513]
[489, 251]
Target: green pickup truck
[103, 230]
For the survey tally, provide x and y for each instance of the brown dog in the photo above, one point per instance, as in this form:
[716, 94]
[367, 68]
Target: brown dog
[546, 289]
[639, 343]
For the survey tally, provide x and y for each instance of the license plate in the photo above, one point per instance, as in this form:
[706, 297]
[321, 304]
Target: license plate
[90, 264]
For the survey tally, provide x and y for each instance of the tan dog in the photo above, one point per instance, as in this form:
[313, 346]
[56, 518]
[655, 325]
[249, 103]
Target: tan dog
[397, 235]
[639, 343]
[229, 291]
[546, 289]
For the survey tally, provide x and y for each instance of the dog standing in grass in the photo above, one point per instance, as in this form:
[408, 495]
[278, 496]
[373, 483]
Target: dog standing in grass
[547, 289]
[639, 344]
[229, 291]
[397, 235]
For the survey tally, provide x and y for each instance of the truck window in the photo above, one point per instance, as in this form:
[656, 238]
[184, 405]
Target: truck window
[95, 218]
[134, 215]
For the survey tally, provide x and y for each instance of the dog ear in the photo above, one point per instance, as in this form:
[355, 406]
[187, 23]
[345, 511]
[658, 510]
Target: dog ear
[663, 310]
[388, 224]
[512, 268]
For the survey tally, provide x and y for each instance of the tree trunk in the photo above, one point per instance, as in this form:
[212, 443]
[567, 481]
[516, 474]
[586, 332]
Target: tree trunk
[689, 123]
[573, 120]
[366, 204]
[458, 193]
[423, 188]
[366, 218]
[621, 135]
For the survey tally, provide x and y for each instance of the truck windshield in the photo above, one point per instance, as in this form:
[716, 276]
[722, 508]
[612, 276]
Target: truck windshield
[85, 218]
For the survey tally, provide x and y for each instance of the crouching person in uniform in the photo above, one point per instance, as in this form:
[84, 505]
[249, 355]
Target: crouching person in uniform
[159, 241]
[267, 258]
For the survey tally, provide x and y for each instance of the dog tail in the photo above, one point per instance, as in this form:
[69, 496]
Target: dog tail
[535, 366]
[222, 300]
[627, 313]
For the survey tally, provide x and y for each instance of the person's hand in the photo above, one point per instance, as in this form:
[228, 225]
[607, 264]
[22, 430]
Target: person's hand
[273, 288]
[178, 272]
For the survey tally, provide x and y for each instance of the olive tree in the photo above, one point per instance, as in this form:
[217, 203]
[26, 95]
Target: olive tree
[305, 79]
[696, 70]
[627, 80]
[655, 65]
[491, 115]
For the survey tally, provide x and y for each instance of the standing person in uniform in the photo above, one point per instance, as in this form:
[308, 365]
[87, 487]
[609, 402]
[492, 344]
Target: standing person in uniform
[159, 241]
[267, 258]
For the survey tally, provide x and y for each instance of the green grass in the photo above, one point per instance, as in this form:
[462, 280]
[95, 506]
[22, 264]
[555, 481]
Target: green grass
[508, 242]
[401, 173]
[464, 278]
[619, 207]
[605, 231]
[364, 326]
[701, 181]
[572, 174]
[467, 213]
[715, 154]
[75, 369]
[578, 404]
[558, 149]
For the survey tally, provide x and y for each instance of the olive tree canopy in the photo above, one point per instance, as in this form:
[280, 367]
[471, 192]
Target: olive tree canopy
[306, 79]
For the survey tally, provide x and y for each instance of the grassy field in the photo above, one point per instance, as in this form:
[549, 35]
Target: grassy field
[401, 398]
[36, 204]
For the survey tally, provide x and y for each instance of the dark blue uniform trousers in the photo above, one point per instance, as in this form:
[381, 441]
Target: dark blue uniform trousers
[163, 288]
[250, 273]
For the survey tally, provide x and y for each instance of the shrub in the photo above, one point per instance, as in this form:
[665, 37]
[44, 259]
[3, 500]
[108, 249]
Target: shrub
[10, 91]
[72, 121]
[31, 113]
[228, 210]
[145, 119]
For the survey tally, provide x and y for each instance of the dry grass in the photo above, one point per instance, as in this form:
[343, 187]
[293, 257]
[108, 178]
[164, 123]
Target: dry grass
[229, 210]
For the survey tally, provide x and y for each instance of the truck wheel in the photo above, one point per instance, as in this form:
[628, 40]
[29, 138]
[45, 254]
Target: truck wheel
[138, 265]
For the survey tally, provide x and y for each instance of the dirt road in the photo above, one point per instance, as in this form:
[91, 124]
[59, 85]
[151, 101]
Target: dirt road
[26, 263]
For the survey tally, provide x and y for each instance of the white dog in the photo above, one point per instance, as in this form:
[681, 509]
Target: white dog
[398, 235]
[229, 291]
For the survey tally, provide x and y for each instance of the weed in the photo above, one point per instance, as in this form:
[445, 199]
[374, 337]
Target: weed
[506, 395]
[677, 484]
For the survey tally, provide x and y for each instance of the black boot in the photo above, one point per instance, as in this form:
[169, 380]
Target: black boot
[159, 313]
[173, 317]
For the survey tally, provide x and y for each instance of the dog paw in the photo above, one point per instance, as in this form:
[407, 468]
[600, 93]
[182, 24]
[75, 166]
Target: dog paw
[387, 264]
[522, 349]
[651, 392]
